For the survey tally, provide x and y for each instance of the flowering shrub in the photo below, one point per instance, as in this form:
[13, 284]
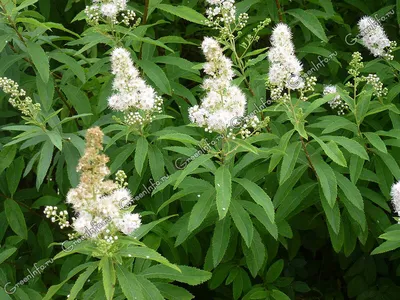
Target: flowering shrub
[208, 149]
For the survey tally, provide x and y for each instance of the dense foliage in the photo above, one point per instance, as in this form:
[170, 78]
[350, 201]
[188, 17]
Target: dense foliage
[206, 149]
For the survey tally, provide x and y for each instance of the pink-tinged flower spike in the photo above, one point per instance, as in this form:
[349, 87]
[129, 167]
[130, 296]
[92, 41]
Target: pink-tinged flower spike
[395, 193]
[96, 200]
[375, 39]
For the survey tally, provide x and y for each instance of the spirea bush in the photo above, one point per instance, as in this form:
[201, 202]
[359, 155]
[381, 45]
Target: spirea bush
[199, 149]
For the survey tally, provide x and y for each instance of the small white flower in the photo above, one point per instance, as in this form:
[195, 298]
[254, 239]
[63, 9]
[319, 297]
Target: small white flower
[128, 223]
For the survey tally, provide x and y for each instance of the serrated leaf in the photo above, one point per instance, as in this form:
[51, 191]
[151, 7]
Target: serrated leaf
[80, 282]
[183, 12]
[289, 161]
[242, 222]
[223, 188]
[376, 141]
[129, 283]
[350, 190]
[141, 154]
[326, 179]
[46, 156]
[189, 275]
[109, 276]
[156, 75]
[259, 196]
[39, 59]
[332, 150]
[310, 21]
[201, 209]
[15, 218]
[220, 239]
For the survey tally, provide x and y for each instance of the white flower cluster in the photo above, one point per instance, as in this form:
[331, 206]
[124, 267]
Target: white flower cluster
[224, 102]
[374, 38]
[395, 193]
[336, 102]
[132, 92]
[285, 68]
[96, 201]
[18, 98]
[377, 85]
[109, 9]
[225, 10]
[61, 217]
[222, 14]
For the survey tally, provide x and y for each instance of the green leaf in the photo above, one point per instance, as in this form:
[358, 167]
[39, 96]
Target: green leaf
[55, 138]
[278, 295]
[242, 221]
[45, 158]
[255, 254]
[332, 150]
[326, 179]
[261, 216]
[156, 75]
[310, 21]
[355, 168]
[390, 162]
[7, 155]
[201, 209]
[259, 196]
[79, 100]
[141, 153]
[183, 12]
[46, 92]
[123, 153]
[14, 173]
[53, 289]
[332, 214]
[70, 63]
[129, 283]
[386, 247]
[24, 4]
[39, 59]
[173, 292]
[6, 253]
[15, 218]
[223, 187]
[393, 235]
[350, 191]
[289, 161]
[350, 145]
[80, 282]
[146, 253]
[189, 275]
[156, 162]
[192, 166]
[376, 141]
[220, 239]
[109, 277]
[180, 137]
[149, 290]
[274, 271]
